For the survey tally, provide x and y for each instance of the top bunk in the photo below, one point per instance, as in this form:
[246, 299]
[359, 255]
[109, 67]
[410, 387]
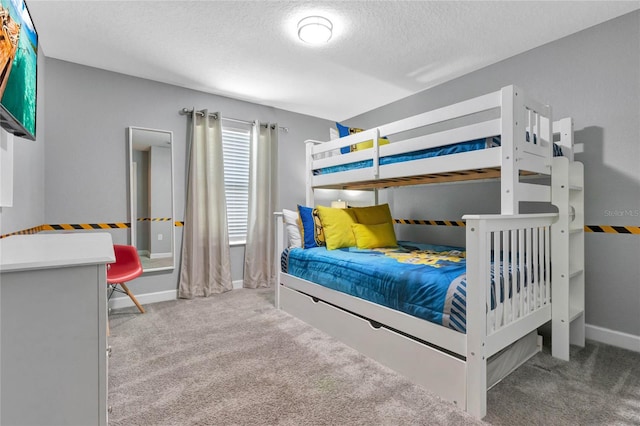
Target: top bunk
[504, 134]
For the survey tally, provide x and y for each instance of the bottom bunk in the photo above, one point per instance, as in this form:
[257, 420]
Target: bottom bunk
[502, 315]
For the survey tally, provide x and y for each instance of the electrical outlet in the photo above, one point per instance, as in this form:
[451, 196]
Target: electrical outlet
[159, 237]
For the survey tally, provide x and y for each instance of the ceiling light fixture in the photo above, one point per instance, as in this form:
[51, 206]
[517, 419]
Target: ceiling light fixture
[315, 30]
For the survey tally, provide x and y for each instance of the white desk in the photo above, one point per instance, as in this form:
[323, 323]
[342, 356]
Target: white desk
[53, 316]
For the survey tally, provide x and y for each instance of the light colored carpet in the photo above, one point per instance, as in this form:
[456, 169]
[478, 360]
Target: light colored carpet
[233, 359]
[600, 385]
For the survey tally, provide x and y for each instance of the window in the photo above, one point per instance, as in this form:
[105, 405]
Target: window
[235, 145]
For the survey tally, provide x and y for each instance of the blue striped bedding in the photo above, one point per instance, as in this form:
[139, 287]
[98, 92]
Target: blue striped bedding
[473, 145]
[423, 280]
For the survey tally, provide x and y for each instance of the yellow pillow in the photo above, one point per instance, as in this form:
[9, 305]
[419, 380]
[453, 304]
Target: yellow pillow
[346, 131]
[373, 215]
[374, 236]
[336, 224]
[368, 144]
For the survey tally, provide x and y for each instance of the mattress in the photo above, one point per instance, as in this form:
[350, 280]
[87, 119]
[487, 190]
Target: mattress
[467, 146]
[423, 280]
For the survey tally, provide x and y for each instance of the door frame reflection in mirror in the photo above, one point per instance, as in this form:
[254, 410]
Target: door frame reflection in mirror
[149, 218]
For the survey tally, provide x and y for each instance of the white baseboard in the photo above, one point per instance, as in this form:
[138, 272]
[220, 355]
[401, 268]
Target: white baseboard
[612, 337]
[160, 255]
[160, 296]
[144, 299]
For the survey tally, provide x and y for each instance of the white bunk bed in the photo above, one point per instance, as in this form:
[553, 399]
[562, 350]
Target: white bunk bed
[461, 367]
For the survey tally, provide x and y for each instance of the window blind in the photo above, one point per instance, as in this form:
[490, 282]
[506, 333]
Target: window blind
[235, 145]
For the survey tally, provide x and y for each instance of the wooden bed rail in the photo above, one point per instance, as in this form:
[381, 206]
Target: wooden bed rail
[280, 244]
[518, 248]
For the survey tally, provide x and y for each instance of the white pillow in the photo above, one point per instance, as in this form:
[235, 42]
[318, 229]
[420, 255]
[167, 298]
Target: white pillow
[293, 231]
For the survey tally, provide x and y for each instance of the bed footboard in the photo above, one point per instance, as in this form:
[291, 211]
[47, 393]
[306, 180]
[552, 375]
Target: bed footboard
[516, 248]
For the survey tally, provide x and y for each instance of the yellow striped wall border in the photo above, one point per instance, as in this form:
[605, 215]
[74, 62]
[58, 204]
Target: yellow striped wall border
[160, 219]
[430, 222]
[29, 231]
[154, 219]
[86, 226]
[76, 227]
[606, 229]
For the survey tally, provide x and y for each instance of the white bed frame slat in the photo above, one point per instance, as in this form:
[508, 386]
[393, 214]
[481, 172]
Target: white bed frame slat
[460, 109]
[485, 158]
[440, 139]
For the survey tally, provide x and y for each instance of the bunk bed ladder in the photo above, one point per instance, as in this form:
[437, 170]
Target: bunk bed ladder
[567, 237]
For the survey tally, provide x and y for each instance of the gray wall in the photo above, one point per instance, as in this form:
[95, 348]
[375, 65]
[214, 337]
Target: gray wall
[87, 114]
[594, 77]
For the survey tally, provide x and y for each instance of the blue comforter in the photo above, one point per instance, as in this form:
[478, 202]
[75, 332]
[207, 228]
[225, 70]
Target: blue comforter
[423, 280]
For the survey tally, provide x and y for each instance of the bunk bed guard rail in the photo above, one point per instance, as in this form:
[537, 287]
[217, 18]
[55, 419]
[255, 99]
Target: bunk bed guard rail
[524, 125]
[518, 249]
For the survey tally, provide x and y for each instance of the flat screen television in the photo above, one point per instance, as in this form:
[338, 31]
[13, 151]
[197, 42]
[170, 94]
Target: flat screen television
[18, 69]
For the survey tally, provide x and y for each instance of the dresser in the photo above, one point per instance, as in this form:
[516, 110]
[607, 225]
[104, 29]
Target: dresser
[53, 325]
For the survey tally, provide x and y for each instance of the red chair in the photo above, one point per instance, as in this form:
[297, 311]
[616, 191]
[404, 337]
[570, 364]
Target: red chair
[126, 267]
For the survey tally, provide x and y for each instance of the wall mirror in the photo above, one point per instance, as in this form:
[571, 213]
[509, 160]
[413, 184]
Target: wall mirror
[151, 197]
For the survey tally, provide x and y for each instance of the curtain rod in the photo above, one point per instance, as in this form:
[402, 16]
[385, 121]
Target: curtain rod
[185, 111]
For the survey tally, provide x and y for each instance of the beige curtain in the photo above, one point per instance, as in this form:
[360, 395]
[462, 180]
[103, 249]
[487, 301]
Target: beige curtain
[205, 266]
[259, 269]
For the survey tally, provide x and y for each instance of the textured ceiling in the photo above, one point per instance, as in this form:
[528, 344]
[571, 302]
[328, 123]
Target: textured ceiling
[381, 51]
